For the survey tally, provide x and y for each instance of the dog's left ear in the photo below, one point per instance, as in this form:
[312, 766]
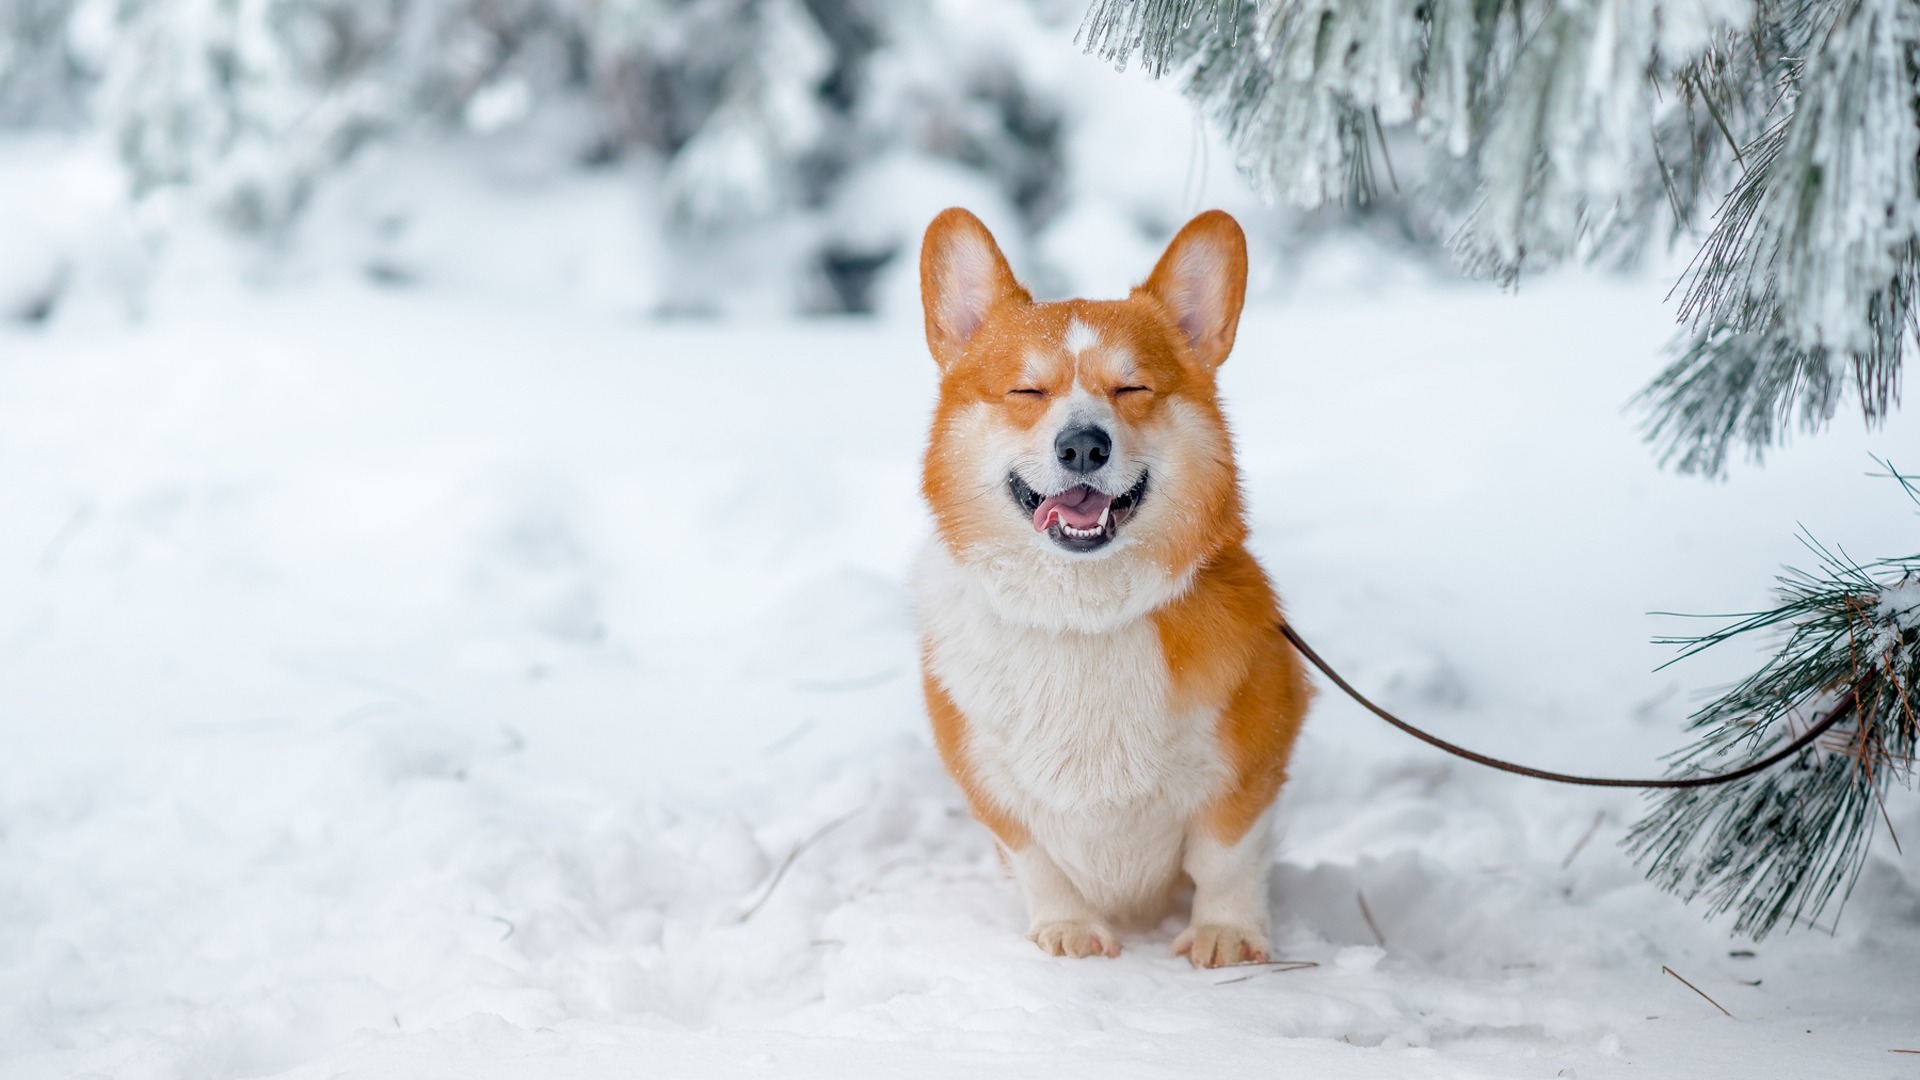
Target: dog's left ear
[1202, 282]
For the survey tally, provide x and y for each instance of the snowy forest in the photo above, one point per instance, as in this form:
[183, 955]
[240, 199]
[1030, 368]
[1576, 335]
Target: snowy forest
[778, 156]
[459, 470]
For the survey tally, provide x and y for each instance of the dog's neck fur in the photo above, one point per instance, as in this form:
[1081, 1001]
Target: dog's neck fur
[1027, 585]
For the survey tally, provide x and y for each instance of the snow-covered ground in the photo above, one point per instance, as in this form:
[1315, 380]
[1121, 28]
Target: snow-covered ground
[432, 684]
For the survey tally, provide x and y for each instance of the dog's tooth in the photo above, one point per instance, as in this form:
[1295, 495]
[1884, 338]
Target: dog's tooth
[1105, 513]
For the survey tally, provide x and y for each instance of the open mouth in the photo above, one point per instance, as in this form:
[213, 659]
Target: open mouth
[1081, 518]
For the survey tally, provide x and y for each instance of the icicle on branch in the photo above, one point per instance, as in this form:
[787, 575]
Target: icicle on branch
[1788, 843]
[1564, 128]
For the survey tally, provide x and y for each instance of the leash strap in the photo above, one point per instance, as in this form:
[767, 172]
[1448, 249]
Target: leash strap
[1840, 711]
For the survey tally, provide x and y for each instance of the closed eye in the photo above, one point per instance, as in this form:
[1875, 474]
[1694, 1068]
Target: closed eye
[1134, 390]
[1035, 391]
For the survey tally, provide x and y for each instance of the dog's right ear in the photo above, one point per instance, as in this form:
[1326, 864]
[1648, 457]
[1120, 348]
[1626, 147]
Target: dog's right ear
[962, 276]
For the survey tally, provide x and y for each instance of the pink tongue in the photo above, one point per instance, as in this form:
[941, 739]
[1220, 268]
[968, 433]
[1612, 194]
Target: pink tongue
[1078, 506]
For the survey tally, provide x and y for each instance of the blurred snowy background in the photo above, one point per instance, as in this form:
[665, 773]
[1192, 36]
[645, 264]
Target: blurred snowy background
[451, 605]
[663, 157]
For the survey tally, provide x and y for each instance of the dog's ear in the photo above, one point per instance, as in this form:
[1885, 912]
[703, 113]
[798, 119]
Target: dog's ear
[962, 276]
[1202, 282]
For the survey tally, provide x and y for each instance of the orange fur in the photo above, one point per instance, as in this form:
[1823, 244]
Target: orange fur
[1223, 647]
[950, 738]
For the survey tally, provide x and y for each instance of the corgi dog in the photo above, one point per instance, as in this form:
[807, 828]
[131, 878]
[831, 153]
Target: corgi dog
[1101, 658]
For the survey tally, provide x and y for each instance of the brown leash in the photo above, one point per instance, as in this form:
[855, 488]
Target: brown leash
[1841, 710]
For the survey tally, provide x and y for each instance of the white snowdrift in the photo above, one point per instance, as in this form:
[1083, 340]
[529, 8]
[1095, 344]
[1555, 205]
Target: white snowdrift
[396, 685]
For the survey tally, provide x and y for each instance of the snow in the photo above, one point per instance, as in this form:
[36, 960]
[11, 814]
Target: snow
[1900, 604]
[475, 681]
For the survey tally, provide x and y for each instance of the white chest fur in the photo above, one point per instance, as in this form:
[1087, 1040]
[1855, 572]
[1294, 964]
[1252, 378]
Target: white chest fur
[1072, 732]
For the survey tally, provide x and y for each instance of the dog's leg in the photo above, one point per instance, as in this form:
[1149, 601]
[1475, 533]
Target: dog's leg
[1229, 924]
[1063, 923]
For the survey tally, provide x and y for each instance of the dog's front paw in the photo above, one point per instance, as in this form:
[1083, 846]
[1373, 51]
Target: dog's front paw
[1075, 937]
[1214, 945]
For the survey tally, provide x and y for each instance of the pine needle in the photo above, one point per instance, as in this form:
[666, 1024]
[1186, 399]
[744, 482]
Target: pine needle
[1367, 914]
[1697, 990]
[793, 856]
[1273, 967]
[1580, 844]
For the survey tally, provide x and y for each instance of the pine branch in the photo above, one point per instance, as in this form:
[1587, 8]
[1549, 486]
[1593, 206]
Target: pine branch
[1747, 388]
[1785, 844]
[1161, 31]
[1564, 129]
[1808, 276]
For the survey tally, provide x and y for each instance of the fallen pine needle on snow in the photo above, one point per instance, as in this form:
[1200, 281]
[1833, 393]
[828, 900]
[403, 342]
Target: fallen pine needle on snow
[1580, 844]
[1274, 967]
[786, 864]
[1367, 913]
[1697, 990]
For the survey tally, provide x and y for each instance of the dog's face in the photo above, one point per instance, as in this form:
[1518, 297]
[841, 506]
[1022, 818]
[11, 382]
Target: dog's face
[1082, 430]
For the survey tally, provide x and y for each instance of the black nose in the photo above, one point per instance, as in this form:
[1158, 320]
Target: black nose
[1083, 449]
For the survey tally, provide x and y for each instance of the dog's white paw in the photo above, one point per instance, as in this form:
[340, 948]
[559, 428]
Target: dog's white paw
[1214, 945]
[1075, 937]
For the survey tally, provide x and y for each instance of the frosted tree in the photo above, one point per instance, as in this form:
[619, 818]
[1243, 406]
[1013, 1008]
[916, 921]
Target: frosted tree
[37, 63]
[252, 103]
[1562, 128]
[1780, 136]
[755, 112]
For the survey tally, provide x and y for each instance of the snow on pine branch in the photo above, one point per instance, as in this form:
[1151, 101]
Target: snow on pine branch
[1550, 103]
[1563, 129]
[1806, 284]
